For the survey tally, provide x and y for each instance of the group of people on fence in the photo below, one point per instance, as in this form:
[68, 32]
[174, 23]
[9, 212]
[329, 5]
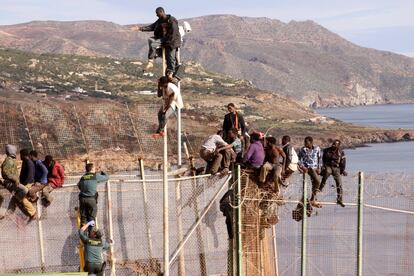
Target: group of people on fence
[40, 177]
[34, 176]
[273, 164]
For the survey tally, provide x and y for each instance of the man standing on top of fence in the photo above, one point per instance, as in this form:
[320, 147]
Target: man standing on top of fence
[167, 35]
[171, 101]
[309, 163]
[334, 163]
[11, 182]
[88, 196]
[234, 119]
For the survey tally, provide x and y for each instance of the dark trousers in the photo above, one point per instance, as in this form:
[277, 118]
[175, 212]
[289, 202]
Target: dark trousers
[170, 58]
[163, 117]
[316, 182]
[94, 268]
[336, 173]
[170, 53]
[217, 160]
[88, 208]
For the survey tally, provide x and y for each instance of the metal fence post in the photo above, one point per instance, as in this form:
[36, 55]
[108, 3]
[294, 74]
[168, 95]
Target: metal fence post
[304, 229]
[239, 222]
[275, 250]
[165, 192]
[27, 127]
[111, 230]
[181, 261]
[179, 150]
[360, 220]
[40, 234]
[145, 197]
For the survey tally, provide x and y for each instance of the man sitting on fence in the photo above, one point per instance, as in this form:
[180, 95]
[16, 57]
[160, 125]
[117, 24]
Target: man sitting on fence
[273, 164]
[11, 182]
[255, 155]
[171, 102]
[216, 154]
[40, 177]
[88, 196]
[234, 143]
[334, 164]
[55, 179]
[94, 246]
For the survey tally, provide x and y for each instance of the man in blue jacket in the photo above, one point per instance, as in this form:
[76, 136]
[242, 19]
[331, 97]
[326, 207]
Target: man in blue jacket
[40, 176]
[88, 196]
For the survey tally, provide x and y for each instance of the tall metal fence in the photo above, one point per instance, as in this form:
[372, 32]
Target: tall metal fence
[51, 244]
[65, 130]
[331, 237]
[198, 237]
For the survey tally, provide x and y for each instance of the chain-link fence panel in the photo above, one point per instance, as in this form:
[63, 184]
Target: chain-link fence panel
[54, 130]
[19, 242]
[332, 231]
[388, 241]
[14, 129]
[137, 223]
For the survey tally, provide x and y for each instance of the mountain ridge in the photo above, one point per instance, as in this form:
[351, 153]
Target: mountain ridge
[299, 59]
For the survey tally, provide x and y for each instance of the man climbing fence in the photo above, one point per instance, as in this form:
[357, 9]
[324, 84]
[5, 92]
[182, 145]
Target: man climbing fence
[166, 35]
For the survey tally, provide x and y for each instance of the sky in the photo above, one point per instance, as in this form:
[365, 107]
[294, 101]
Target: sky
[381, 24]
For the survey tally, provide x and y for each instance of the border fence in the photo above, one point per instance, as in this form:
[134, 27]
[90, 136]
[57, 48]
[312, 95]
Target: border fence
[198, 236]
[378, 221]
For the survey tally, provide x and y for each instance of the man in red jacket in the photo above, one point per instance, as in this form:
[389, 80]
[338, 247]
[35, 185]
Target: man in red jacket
[55, 179]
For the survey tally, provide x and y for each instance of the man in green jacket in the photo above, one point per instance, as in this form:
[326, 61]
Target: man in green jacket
[88, 196]
[94, 247]
[11, 182]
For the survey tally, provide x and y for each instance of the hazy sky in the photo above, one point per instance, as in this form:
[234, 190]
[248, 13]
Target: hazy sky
[381, 24]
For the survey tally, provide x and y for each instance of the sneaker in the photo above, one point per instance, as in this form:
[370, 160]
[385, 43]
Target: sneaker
[158, 135]
[149, 66]
[340, 203]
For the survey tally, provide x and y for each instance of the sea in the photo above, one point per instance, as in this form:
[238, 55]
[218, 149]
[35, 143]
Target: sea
[383, 157]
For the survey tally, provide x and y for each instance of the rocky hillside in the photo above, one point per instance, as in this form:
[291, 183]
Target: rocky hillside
[300, 59]
[55, 99]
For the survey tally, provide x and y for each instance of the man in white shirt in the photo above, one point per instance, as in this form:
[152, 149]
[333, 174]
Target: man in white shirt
[216, 154]
[171, 101]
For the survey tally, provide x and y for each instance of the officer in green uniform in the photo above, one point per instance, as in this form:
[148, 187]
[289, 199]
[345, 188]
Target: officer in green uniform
[88, 196]
[94, 246]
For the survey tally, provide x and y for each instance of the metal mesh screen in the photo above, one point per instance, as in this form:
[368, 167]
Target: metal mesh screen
[332, 230]
[77, 129]
[137, 228]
